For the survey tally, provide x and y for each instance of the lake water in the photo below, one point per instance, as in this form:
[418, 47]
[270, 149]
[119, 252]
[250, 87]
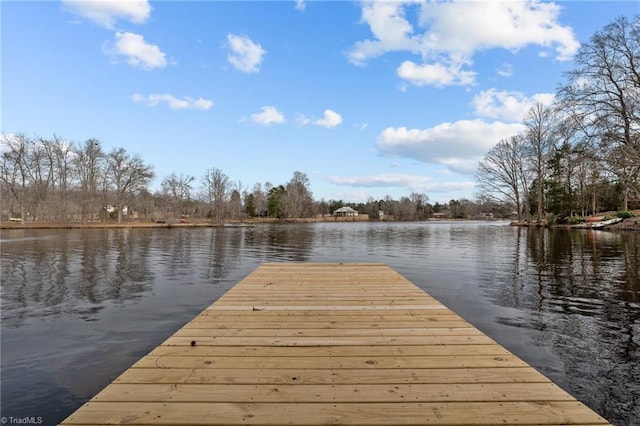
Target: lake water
[80, 306]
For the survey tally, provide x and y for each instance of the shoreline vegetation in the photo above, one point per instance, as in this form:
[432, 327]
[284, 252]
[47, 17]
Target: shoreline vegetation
[199, 223]
[628, 224]
[602, 222]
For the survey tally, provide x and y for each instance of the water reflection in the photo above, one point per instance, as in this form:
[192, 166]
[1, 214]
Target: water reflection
[568, 302]
[577, 298]
[72, 273]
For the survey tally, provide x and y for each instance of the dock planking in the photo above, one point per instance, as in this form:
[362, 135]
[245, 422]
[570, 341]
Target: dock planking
[315, 344]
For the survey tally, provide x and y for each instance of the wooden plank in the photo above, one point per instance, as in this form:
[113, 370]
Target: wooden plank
[306, 307]
[319, 301]
[328, 341]
[333, 325]
[318, 315]
[323, 377]
[313, 344]
[327, 332]
[323, 363]
[331, 317]
[328, 351]
[465, 392]
[436, 413]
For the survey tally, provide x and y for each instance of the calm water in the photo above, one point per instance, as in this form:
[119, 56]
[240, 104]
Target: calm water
[81, 306]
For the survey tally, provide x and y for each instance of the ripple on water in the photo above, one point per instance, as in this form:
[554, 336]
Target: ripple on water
[567, 302]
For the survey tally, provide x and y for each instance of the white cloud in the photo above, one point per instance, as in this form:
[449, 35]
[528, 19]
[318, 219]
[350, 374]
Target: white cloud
[352, 196]
[301, 5]
[391, 31]
[269, 115]
[466, 27]
[458, 146]
[303, 120]
[438, 74]
[174, 103]
[107, 12]
[418, 183]
[245, 56]
[505, 70]
[330, 120]
[138, 52]
[382, 180]
[448, 34]
[507, 105]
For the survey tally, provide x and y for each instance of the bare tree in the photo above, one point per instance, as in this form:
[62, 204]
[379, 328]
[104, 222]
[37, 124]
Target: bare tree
[150, 205]
[298, 201]
[59, 154]
[502, 174]
[259, 200]
[235, 199]
[40, 176]
[540, 140]
[603, 95]
[63, 151]
[178, 190]
[50, 200]
[390, 208]
[406, 209]
[235, 204]
[373, 208]
[14, 169]
[215, 188]
[89, 165]
[127, 173]
[420, 199]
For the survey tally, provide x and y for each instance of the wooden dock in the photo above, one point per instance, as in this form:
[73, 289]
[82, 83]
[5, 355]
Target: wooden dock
[319, 344]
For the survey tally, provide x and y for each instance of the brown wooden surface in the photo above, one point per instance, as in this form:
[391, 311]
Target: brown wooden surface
[317, 344]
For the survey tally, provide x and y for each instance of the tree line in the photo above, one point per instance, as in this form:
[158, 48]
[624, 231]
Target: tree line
[580, 155]
[52, 180]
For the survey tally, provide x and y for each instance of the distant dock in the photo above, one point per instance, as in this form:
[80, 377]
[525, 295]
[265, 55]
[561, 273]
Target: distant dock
[319, 344]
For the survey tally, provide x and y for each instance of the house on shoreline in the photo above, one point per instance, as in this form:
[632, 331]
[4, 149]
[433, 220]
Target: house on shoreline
[345, 212]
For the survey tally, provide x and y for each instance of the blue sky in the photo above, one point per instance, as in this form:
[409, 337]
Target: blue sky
[366, 98]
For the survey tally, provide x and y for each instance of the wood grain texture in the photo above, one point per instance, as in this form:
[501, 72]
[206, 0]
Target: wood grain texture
[317, 344]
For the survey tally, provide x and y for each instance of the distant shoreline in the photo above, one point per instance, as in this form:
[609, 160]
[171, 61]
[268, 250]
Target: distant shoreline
[136, 224]
[200, 224]
[632, 224]
[77, 225]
